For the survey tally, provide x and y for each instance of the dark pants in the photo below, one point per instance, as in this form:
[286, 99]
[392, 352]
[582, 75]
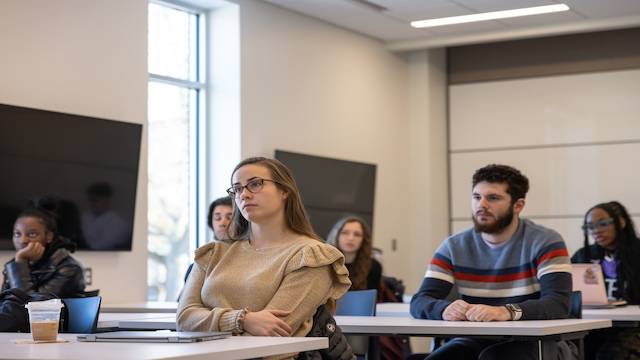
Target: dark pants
[617, 343]
[481, 349]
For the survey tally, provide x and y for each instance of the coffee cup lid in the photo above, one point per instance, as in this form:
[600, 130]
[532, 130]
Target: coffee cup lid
[53, 304]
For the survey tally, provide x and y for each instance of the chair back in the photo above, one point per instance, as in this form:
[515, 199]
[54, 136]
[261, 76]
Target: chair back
[357, 303]
[576, 305]
[576, 312]
[82, 314]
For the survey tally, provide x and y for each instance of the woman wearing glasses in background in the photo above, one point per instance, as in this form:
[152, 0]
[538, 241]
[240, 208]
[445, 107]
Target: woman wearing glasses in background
[617, 250]
[272, 276]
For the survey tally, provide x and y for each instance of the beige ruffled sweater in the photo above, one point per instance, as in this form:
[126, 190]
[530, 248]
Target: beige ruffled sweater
[297, 276]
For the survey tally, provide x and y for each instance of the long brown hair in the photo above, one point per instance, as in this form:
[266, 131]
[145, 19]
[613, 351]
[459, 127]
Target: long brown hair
[295, 215]
[362, 264]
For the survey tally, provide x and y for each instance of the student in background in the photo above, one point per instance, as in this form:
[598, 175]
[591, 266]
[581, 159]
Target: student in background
[617, 250]
[351, 235]
[272, 276]
[43, 262]
[219, 217]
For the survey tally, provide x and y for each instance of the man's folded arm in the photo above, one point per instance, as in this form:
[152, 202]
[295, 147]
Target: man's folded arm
[428, 302]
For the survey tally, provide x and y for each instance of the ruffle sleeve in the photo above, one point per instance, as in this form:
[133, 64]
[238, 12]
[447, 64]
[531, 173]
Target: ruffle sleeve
[319, 254]
[205, 253]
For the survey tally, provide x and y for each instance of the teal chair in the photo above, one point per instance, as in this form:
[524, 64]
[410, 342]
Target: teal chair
[81, 314]
[359, 303]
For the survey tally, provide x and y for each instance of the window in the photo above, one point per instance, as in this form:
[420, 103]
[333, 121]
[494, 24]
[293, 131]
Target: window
[174, 106]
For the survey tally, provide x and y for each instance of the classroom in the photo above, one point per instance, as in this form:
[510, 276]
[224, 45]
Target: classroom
[311, 87]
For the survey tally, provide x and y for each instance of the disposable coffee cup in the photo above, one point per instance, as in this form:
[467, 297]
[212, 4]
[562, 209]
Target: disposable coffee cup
[44, 317]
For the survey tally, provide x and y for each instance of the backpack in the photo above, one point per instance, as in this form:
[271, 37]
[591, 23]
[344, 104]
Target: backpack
[14, 317]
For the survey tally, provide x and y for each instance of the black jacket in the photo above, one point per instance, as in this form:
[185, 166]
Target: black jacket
[56, 272]
[324, 325]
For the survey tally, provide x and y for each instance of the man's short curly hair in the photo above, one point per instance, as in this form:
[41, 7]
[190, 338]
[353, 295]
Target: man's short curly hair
[517, 184]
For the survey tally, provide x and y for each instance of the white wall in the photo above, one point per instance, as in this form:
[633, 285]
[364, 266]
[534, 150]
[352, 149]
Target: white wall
[574, 136]
[313, 88]
[86, 58]
[306, 86]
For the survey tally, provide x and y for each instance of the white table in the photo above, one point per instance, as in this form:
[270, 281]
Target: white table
[141, 307]
[623, 316]
[112, 320]
[236, 347]
[546, 332]
[393, 309]
[142, 323]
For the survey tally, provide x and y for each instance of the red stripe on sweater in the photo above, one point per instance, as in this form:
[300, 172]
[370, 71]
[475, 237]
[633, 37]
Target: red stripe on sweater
[442, 264]
[495, 278]
[553, 254]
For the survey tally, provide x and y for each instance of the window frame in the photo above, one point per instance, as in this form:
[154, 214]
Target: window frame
[197, 119]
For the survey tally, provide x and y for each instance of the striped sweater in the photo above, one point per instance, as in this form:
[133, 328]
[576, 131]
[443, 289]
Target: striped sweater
[532, 270]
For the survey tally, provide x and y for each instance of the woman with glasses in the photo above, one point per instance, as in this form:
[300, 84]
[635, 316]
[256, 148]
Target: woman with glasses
[274, 273]
[617, 250]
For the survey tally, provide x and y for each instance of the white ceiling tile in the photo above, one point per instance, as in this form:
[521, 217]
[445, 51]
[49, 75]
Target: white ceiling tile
[543, 19]
[468, 28]
[392, 29]
[499, 5]
[392, 25]
[604, 9]
[444, 9]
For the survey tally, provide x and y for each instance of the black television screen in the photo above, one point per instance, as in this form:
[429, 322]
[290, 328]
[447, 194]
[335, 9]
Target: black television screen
[90, 165]
[332, 189]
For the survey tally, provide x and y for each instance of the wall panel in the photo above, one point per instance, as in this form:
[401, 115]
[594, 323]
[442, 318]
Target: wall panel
[564, 181]
[566, 109]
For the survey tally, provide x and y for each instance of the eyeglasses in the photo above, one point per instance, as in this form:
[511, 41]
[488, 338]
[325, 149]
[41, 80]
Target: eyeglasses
[253, 186]
[602, 225]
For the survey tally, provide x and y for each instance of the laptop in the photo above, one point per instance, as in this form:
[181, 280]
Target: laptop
[589, 279]
[153, 336]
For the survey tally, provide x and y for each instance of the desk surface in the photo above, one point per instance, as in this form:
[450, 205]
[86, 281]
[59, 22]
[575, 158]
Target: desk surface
[380, 325]
[141, 307]
[236, 347]
[112, 320]
[623, 313]
[393, 309]
[140, 323]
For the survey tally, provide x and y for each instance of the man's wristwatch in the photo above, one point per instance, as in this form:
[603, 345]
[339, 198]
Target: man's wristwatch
[516, 311]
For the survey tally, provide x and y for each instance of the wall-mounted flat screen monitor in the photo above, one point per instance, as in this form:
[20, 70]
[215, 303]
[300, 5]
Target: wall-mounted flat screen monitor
[89, 164]
[332, 189]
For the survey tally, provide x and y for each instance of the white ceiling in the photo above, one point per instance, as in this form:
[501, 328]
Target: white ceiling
[392, 24]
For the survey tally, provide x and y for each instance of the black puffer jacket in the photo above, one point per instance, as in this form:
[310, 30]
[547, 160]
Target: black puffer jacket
[56, 272]
[324, 325]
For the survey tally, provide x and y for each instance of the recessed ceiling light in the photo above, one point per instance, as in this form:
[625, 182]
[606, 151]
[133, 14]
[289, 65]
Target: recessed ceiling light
[490, 16]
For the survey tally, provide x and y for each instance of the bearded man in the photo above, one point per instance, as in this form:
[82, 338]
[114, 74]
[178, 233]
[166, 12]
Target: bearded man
[505, 269]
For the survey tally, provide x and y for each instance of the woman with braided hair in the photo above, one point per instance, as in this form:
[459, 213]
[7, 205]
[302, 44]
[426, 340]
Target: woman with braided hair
[43, 261]
[617, 250]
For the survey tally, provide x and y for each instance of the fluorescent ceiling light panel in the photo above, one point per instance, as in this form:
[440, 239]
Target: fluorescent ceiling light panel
[490, 16]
